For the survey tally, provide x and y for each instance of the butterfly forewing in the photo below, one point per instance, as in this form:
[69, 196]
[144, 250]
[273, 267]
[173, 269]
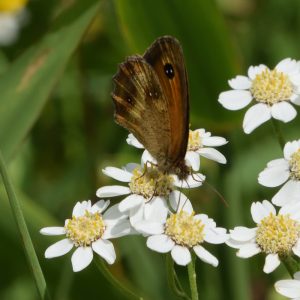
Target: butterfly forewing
[140, 105]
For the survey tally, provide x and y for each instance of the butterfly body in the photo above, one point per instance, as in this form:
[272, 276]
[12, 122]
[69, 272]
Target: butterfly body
[151, 101]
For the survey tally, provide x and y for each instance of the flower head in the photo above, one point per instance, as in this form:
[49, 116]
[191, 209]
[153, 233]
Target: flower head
[89, 230]
[147, 190]
[289, 288]
[276, 235]
[285, 171]
[200, 143]
[272, 90]
[182, 232]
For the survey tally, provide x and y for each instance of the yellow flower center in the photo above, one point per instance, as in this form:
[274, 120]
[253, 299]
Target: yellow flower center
[295, 165]
[277, 234]
[184, 229]
[151, 182]
[85, 229]
[271, 87]
[10, 6]
[195, 142]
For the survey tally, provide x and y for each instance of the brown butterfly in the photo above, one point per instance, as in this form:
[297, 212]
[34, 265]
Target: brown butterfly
[152, 101]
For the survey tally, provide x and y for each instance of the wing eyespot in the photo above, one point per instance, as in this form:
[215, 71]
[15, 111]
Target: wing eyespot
[169, 70]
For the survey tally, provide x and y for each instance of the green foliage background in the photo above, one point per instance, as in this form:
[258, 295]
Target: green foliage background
[57, 131]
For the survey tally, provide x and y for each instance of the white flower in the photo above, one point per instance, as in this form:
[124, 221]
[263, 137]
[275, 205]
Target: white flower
[182, 232]
[284, 170]
[200, 144]
[88, 231]
[275, 235]
[147, 190]
[290, 287]
[13, 15]
[273, 90]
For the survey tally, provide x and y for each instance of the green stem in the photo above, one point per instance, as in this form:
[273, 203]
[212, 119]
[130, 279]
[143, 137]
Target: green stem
[102, 267]
[278, 133]
[173, 281]
[24, 233]
[193, 279]
[291, 265]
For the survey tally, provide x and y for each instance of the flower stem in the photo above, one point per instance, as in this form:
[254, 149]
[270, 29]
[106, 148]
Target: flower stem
[193, 279]
[24, 233]
[173, 281]
[128, 294]
[278, 133]
[291, 265]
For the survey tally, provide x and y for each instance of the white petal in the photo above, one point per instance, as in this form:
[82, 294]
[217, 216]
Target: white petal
[287, 65]
[81, 207]
[248, 250]
[178, 201]
[283, 111]
[113, 214]
[130, 202]
[193, 160]
[274, 176]
[117, 230]
[105, 249]
[100, 206]
[53, 230]
[289, 288]
[261, 210]
[132, 140]
[156, 210]
[290, 148]
[131, 167]
[292, 209]
[148, 227]
[112, 191]
[59, 248]
[278, 162]
[235, 99]
[255, 70]
[289, 193]
[206, 256]
[137, 214]
[147, 158]
[192, 181]
[255, 116]
[242, 234]
[214, 141]
[118, 174]
[296, 248]
[181, 255]
[160, 243]
[240, 83]
[81, 258]
[216, 236]
[234, 244]
[296, 99]
[212, 154]
[297, 275]
[271, 263]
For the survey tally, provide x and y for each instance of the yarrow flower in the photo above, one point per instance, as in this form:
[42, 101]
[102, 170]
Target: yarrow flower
[284, 171]
[89, 230]
[147, 190]
[182, 232]
[290, 287]
[200, 144]
[276, 235]
[12, 16]
[272, 90]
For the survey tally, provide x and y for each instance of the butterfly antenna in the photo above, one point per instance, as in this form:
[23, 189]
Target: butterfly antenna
[218, 193]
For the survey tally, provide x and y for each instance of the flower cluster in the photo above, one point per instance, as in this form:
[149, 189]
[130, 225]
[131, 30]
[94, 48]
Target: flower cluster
[276, 234]
[152, 204]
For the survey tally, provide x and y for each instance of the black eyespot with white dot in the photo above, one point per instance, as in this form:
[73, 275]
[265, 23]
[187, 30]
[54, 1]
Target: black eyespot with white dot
[169, 70]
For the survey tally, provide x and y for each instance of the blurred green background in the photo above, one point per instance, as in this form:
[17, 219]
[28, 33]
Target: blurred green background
[57, 131]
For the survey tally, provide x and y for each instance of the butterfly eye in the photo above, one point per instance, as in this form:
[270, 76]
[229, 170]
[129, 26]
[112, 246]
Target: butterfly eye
[169, 71]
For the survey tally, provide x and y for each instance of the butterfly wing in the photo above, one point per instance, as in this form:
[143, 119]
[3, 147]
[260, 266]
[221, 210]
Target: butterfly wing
[141, 106]
[165, 55]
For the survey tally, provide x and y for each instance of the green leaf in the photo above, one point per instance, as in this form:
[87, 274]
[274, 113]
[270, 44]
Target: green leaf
[27, 84]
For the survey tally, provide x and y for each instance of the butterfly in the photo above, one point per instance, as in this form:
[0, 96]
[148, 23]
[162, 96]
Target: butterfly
[152, 102]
